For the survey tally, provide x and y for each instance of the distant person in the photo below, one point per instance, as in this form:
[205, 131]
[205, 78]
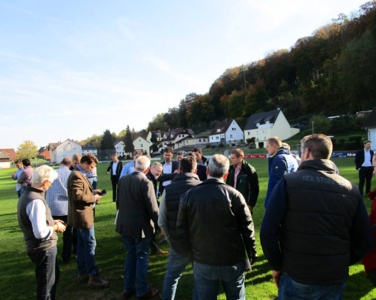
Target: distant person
[16, 175]
[114, 170]
[170, 168]
[168, 214]
[82, 200]
[180, 155]
[75, 160]
[374, 163]
[243, 177]
[280, 162]
[138, 211]
[369, 261]
[130, 166]
[315, 226]
[288, 148]
[25, 177]
[215, 228]
[38, 227]
[363, 163]
[200, 158]
[57, 200]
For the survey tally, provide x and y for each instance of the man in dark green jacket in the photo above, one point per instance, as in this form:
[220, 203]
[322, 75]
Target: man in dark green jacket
[243, 177]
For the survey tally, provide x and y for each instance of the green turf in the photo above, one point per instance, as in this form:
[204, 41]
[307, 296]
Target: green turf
[17, 272]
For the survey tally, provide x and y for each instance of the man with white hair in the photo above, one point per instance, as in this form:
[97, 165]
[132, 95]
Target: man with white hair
[38, 227]
[215, 227]
[138, 212]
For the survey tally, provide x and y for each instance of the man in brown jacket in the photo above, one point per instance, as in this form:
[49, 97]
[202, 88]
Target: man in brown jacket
[81, 203]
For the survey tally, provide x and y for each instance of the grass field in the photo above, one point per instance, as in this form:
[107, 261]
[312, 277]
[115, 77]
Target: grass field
[17, 272]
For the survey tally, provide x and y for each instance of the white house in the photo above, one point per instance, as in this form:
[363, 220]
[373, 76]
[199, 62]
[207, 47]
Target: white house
[173, 137]
[370, 125]
[265, 125]
[119, 148]
[142, 144]
[65, 149]
[4, 160]
[89, 149]
[198, 141]
[226, 132]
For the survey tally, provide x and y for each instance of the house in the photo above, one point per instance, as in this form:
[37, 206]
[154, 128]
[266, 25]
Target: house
[226, 132]
[370, 125]
[4, 160]
[44, 153]
[262, 126]
[199, 140]
[65, 149]
[12, 154]
[89, 148]
[172, 137]
[119, 148]
[140, 143]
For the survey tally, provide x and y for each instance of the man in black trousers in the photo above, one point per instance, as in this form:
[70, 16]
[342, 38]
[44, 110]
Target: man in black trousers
[363, 163]
[114, 169]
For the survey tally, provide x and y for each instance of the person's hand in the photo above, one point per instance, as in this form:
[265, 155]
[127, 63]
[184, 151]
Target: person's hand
[97, 192]
[276, 277]
[59, 226]
[97, 197]
[108, 173]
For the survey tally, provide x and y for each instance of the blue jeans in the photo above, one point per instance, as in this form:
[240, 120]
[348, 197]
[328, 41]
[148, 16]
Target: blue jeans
[46, 272]
[207, 278]
[136, 264]
[175, 267]
[86, 244]
[289, 289]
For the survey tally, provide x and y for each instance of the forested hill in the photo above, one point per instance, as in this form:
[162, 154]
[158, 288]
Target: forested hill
[331, 72]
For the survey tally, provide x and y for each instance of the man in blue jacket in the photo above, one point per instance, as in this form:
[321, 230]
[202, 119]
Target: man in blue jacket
[280, 162]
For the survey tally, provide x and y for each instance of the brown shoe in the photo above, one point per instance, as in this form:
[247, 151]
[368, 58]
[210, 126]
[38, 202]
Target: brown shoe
[83, 277]
[98, 282]
[151, 293]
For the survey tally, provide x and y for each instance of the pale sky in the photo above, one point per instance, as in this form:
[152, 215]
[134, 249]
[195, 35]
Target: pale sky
[71, 69]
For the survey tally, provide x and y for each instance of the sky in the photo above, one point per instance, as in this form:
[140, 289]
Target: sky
[72, 69]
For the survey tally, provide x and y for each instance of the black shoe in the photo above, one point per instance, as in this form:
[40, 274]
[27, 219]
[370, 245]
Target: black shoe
[151, 293]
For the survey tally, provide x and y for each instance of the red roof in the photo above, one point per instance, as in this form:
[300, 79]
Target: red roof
[12, 154]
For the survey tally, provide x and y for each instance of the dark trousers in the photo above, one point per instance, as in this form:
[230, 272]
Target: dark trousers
[114, 181]
[47, 273]
[365, 175]
[68, 239]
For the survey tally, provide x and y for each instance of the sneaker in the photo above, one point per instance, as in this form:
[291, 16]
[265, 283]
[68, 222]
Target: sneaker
[98, 282]
[128, 295]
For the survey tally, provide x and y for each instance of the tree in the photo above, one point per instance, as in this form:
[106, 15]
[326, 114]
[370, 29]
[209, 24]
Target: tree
[107, 141]
[128, 141]
[27, 150]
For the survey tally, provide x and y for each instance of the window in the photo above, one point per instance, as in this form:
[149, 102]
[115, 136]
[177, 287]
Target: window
[230, 135]
[233, 128]
[217, 137]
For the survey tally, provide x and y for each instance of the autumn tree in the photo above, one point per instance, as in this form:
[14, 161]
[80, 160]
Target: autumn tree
[27, 150]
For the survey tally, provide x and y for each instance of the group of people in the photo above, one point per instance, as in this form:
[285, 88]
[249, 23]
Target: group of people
[315, 224]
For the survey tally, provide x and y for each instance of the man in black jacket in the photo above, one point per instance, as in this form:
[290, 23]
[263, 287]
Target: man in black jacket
[314, 227]
[243, 177]
[168, 214]
[215, 227]
[114, 169]
[363, 163]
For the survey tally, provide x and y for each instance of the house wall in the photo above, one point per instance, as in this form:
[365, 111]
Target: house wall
[5, 165]
[119, 149]
[142, 144]
[372, 137]
[234, 133]
[65, 149]
[280, 128]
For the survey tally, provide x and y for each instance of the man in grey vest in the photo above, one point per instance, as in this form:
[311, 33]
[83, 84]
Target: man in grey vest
[38, 227]
[168, 214]
[314, 227]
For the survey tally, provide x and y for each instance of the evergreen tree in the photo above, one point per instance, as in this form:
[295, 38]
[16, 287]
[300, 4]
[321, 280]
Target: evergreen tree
[128, 141]
[107, 142]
